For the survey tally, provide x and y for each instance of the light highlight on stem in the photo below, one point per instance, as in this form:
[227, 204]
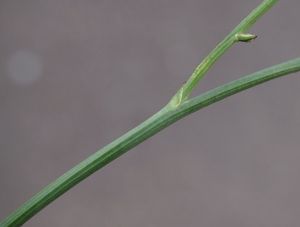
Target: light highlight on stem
[160, 120]
[153, 125]
[239, 31]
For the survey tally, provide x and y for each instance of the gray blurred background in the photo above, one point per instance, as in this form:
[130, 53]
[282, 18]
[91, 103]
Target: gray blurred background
[75, 75]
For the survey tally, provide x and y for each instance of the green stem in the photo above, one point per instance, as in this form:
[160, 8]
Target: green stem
[178, 107]
[236, 35]
[153, 125]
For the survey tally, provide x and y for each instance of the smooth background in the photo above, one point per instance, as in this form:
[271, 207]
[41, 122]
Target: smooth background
[74, 75]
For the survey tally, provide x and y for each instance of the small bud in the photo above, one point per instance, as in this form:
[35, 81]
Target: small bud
[245, 37]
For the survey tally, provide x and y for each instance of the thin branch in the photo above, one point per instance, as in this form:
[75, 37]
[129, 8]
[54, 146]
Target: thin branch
[160, 120]
[238, 34]
[153, 125]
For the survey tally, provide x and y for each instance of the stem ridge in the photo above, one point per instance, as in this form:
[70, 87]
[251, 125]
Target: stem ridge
[179, 106]
[237, 34]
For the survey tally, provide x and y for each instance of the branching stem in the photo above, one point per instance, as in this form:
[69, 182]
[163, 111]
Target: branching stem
[179, 107]
[153, 125]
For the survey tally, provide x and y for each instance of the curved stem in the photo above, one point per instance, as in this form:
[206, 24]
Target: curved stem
[236, 35]
[161, 119]
[153, 125]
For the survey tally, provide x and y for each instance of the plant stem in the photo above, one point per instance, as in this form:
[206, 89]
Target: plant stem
[236, 35]
[177, 108]
[153, 125]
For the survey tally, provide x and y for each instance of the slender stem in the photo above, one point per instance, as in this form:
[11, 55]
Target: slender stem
[153, 125]
[236, 35]
[160, 120]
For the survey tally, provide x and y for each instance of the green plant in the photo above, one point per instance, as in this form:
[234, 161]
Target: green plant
[179, 106]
